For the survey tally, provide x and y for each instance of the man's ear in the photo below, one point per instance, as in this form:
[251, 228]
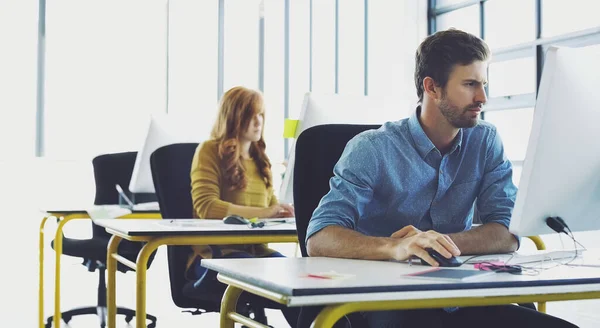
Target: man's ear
[430, 88]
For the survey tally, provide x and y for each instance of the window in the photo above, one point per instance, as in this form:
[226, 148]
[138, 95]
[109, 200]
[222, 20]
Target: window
[193, 58]
[102, 79]
[384, 70]
[112, 77]
[560, 17]
[444, 3]
[299, 54]
[323, 46]
[512, 77]
[466, 19]
[274, 12]
[521, 28]
[18, 67]
[514, 127]
[241, 44]
[351, 47]
[391, 63]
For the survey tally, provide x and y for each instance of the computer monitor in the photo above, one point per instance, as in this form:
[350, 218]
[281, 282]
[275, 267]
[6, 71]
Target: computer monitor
[561, 173]
[318, 109]
[165, 129]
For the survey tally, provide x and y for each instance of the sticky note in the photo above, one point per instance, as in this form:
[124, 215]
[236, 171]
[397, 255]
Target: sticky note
[289, 128]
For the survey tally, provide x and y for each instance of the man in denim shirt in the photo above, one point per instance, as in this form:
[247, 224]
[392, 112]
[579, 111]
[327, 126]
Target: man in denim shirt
[413, 185]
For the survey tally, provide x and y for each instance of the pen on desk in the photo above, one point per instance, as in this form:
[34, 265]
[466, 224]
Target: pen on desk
[310, 275]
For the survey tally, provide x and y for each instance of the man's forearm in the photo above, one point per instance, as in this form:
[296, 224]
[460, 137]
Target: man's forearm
[485, 239]
[336, 241]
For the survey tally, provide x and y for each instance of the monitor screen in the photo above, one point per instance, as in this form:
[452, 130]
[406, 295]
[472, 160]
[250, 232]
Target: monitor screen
[318, 109]
[561, 172]
[164, 130]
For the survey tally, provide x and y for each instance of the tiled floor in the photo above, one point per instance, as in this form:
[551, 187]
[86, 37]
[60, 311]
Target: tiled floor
[19, 200]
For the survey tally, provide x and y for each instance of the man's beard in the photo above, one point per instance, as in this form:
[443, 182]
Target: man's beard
[458, 118]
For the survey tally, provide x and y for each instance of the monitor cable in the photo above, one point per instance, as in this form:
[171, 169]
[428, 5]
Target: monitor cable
[557, 224]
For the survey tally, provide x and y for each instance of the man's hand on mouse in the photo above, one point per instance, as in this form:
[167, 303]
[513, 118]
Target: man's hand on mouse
[410, 241]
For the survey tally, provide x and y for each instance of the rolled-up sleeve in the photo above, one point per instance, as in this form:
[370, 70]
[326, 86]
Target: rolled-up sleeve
[498, 193]
[351, 187]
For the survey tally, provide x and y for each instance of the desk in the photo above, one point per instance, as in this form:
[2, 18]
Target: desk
[64, 216]
[176, 232]
[379, 285]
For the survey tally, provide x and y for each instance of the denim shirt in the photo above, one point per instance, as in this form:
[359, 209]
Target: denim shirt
[394, 176]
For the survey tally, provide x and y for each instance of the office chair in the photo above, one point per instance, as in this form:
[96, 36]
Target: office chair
[109, 169]
[317, 151]
[170, 166]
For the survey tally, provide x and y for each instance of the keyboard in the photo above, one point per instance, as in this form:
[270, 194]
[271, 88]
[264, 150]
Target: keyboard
[524, 257]
[543, 256]
[151, 206]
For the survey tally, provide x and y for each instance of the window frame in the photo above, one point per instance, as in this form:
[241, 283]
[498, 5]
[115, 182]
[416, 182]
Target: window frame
[535, 48]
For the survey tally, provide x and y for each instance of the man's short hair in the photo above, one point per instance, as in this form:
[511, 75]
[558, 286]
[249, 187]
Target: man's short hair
[439, 52]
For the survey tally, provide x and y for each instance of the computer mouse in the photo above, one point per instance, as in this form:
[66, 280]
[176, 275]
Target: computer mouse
[444, 262]
[235, 219]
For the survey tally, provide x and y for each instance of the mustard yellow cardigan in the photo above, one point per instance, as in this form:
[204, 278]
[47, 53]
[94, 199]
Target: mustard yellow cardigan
[211, 197]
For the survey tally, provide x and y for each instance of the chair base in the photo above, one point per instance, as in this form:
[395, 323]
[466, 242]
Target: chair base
[258, 314]
[101, 312]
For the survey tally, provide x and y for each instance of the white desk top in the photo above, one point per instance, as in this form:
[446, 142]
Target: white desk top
[172, 227]
[383, 280]
[83, 208]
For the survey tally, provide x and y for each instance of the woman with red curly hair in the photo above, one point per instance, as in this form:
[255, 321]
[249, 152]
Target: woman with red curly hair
[231, 174]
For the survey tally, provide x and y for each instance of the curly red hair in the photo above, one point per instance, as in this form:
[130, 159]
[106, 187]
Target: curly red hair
[236, 110]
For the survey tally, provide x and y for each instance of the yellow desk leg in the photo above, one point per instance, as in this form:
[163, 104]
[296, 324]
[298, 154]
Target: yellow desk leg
[41, 290]
[539, 244]
[329, 316]
[140, 273]
[228, 304]
[542, 307]
[58, 252]
[111, 285]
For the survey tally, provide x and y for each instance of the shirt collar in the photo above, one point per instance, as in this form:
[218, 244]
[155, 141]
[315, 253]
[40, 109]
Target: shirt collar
[457, 143]
[422, 142]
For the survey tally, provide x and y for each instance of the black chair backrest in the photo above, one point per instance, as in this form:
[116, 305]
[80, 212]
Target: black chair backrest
[170, 167]
[116, 168]
[318, 149]
[110, 170]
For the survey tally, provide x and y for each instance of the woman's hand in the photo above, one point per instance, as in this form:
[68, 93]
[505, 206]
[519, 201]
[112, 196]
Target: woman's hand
[279, 211]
